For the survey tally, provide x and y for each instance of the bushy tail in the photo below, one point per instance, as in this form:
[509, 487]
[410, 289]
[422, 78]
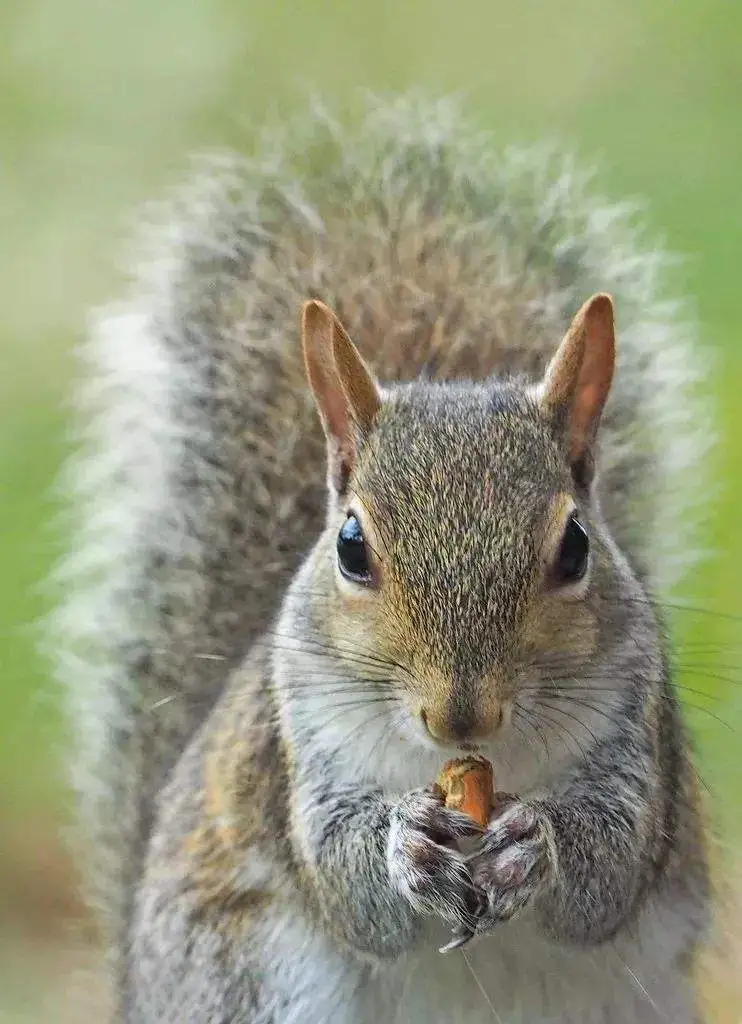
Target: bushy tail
[200, 481]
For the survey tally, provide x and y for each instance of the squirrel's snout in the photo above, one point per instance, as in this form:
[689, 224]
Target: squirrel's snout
[458, 724]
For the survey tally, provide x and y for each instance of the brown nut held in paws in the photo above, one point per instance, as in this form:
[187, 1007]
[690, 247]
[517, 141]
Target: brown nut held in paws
[468, 785]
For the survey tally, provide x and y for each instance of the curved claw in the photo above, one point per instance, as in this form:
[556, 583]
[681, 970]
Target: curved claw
[459, 939]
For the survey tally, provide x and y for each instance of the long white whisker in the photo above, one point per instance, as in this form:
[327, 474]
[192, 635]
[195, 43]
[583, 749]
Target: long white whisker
[641, 988]
[481, 988]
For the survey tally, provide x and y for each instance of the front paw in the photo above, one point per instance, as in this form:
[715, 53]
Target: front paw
[513, 863]
[423, 864]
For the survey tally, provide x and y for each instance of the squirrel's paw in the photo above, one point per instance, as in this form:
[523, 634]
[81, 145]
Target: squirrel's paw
[512, 864]
[423, 865]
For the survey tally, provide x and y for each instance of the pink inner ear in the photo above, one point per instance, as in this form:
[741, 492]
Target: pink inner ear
[598, 364]
[345, 392]
[317, 343]
[335, 411]
[579, 377]
[362, 391]
[588, 406]
[586, 401]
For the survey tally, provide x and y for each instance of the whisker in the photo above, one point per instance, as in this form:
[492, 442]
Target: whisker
[567, 693]
[555, 724]
[518, 709]
[348, 651]
[496, 1016]
[580, 702]
[643, 991]
[313, 645]
[578, 721]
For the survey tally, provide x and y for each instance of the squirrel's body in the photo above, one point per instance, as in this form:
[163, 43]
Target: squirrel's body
[444, 263]
[223, 950]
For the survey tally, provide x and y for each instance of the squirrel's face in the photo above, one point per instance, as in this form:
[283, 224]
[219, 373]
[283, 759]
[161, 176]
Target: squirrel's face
[460, 550]
[459, 547]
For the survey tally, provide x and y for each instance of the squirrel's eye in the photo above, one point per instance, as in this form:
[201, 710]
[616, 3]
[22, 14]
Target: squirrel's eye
[571, 563]
[352, 554]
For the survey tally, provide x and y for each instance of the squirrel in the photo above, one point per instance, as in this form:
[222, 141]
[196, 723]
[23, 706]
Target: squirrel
[369, 478]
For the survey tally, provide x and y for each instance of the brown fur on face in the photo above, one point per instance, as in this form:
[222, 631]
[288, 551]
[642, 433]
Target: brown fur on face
[462, 493]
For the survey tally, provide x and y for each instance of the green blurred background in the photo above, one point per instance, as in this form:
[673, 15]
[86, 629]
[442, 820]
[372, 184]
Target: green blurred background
[102, 103]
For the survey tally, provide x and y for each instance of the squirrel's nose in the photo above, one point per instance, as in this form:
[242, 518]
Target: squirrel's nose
[460, 724]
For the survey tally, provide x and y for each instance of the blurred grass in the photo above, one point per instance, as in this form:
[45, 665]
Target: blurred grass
[101, 104]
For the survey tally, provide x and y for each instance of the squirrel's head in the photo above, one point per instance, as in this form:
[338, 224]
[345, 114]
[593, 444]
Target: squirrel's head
[461, 543]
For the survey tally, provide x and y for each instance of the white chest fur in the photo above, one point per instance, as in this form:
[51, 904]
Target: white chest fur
[512, 977]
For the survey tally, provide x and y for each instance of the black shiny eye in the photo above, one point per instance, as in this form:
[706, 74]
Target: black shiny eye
[352, 553]
[572, 560]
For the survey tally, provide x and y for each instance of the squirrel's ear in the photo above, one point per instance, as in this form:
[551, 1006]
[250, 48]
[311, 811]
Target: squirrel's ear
[346, 393]
[577, 381]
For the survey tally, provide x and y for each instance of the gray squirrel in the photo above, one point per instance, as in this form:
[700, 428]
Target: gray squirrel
[307, 573]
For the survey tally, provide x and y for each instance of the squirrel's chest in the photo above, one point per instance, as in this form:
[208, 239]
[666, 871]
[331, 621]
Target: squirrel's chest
[513, 978]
